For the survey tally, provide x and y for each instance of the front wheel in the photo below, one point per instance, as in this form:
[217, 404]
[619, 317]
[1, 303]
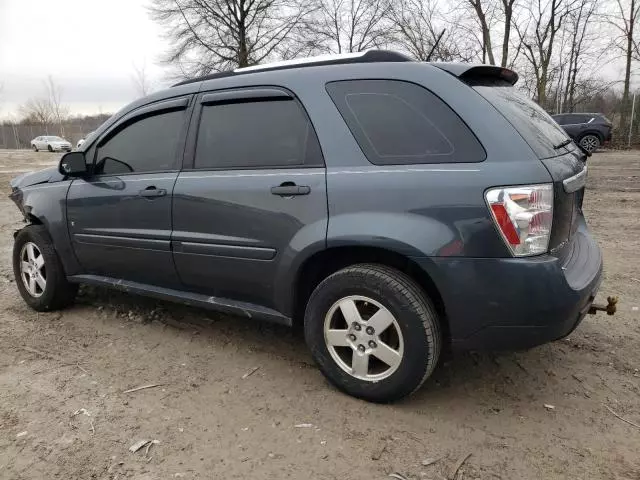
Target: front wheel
[35, 149]
[38, 272]
[373, 332]
[49, 148]
[590, 143]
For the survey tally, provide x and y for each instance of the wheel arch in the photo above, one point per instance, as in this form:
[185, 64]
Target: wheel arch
[48, 209]
[592, 132]
[328, 261]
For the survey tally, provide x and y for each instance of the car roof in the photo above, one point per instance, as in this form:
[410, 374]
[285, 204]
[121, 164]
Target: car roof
[580, 113]
[370, 56]
[379, 63]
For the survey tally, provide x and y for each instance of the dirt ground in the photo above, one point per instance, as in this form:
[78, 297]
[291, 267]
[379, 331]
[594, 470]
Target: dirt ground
[64, 412]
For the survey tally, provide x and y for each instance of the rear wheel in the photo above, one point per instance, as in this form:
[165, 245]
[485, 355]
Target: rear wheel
[590, 143]
[38, 272]
[373, 332]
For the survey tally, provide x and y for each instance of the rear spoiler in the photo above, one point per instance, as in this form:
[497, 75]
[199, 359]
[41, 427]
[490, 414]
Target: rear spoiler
[465, 71]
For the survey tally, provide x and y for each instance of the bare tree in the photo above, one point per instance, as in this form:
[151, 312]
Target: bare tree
[38, 111]
[578, 25]
[507, 10]
[624, 21]
[213, 35]
[538, 39]
[490, 18]
[140, 80]
[423, 29]
[343, 26]
[59, 112]
[484, 12]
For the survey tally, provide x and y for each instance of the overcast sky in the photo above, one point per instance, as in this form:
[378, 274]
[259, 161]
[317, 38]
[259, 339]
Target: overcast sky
[88, 46]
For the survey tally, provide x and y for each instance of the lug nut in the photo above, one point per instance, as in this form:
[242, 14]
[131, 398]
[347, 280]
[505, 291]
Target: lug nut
[352, 337]
[361, 348]
[357, 327]
[372, 344]
[370, 331]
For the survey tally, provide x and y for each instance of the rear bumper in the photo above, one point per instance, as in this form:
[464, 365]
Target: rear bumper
[517, 303]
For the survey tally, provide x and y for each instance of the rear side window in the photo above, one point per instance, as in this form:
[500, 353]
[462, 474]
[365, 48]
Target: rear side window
[147, 145]
[400, 123]
[577, 119]
[560, 119]
[258, 134]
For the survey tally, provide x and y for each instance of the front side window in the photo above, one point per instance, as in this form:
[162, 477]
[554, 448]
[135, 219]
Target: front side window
[256, 134]
[147, 145]
[399, 123]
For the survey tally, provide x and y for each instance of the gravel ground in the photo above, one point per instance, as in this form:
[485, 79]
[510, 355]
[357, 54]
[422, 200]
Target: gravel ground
[64, 412]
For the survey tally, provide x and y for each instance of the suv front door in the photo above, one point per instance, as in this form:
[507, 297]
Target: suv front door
[252, 196]
[119, 217]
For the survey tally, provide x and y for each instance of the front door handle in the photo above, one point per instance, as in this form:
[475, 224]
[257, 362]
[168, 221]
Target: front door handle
[152, 192]
[288, 189]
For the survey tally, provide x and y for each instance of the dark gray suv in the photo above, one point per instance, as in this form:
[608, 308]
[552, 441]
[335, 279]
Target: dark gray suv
[393, 207]
[589, 130]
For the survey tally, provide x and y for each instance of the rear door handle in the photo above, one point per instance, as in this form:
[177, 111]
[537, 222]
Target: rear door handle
[151, 192]
[290, 190]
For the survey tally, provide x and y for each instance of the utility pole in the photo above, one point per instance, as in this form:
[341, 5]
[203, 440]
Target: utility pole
[633, 111]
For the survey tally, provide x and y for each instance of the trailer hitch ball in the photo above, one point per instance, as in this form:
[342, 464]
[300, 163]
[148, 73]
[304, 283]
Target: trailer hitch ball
[610, 307]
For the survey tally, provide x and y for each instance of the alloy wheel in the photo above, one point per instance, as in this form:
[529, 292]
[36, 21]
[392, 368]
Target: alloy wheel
[364, 338]
[32, 269]
[590, 143]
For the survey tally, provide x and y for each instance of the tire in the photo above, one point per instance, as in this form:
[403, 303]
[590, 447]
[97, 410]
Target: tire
[49, 148]
[57, 292]
[373, 288]
[35, 149]
[590, 142]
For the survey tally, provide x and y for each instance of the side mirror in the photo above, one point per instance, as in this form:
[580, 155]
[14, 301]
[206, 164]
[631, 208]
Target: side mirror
[73, 164]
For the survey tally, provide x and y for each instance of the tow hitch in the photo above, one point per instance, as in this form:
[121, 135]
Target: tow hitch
[610, 307]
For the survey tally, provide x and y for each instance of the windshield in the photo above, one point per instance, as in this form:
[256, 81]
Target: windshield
[536, 126]
[55, 139]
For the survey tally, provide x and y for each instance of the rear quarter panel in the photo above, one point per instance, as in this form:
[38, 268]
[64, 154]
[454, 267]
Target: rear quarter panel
[427, 210]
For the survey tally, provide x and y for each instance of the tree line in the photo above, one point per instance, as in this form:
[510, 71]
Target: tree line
[572, 55]
[559, 47]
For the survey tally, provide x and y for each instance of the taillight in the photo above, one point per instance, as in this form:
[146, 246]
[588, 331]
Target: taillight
[524, 216]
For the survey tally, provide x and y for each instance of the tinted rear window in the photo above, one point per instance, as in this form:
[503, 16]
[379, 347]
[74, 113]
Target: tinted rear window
[256, 135]
[399, 123]
[535, 125]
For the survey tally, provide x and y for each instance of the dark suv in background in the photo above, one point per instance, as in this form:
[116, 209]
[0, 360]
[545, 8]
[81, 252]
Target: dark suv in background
[393, 207]
[589, 130]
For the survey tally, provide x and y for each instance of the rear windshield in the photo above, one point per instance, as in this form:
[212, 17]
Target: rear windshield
[535, 125]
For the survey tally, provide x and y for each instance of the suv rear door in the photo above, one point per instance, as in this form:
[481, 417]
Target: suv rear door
[251, 194]
[576, 123]
[120, 217]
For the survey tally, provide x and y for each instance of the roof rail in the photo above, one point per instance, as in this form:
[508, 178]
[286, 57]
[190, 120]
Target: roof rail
[355, 57]
[338, 59]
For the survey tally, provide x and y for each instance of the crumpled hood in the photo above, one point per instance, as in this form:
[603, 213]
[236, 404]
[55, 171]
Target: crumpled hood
[46, 175]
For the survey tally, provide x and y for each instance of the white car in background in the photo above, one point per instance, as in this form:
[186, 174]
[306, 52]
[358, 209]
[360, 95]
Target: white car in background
[51, 143]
